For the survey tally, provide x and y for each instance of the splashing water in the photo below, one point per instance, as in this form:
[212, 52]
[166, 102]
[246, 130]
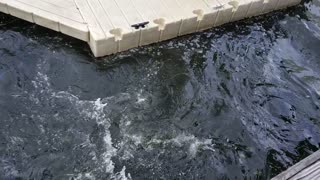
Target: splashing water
[236, 102]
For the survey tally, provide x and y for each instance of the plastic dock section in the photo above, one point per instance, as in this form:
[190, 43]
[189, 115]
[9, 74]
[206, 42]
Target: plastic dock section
[111, 26]
[307, 169]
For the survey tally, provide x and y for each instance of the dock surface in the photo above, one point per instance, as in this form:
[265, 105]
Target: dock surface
[307, 169]
[111, 26]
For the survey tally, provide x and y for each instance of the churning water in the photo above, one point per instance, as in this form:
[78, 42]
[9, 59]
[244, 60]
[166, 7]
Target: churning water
[235, 102]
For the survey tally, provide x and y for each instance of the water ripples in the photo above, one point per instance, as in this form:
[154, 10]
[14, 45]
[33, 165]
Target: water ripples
[240, 101]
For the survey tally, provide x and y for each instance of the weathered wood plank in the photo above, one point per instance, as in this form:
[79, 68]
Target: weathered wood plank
[307, 169]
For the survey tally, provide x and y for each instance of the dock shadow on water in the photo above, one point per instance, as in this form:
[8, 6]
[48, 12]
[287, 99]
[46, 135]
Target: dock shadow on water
[235, 102]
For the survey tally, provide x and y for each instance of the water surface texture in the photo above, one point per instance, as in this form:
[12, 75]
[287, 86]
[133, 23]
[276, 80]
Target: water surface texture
[240, 101]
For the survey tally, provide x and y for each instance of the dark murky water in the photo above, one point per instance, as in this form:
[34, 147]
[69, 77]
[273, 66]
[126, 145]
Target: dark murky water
[240, 101]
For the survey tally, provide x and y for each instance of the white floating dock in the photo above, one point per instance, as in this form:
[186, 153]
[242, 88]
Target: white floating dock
[111, 26]
[307, 169]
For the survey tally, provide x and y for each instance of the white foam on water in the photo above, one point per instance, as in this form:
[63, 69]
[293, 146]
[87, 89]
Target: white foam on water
[132, 140]
[91, 111]
[94, 110]
[122, 175]
[193, 143]
[137, 139]
[140, 98]
[82, 176]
